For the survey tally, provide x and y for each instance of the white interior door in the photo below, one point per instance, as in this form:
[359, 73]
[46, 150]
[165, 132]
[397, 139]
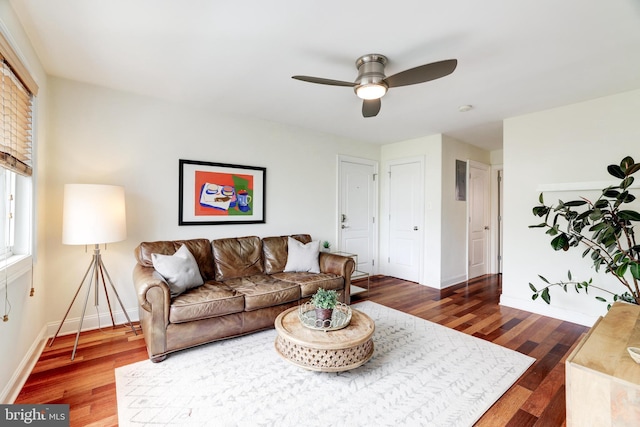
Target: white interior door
[406, 213]
[479, 191]
[357, 211]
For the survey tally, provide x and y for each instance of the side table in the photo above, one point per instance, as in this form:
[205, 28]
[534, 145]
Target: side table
[602, 380]
[357, 274]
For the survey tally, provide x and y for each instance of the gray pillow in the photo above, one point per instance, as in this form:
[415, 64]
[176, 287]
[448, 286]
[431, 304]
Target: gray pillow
[180, 270]
[302, 257]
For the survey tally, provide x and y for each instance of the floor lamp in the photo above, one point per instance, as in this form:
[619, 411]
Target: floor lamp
[93, 215]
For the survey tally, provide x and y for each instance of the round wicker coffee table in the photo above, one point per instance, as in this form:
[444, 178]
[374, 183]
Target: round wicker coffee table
[330, 351]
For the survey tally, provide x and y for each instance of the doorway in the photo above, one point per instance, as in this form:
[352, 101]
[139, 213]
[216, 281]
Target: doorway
[500, 216]
[406, 218]
[479, 190]
[357, 211]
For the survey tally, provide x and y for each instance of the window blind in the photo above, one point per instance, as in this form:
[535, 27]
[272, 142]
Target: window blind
[17, 89]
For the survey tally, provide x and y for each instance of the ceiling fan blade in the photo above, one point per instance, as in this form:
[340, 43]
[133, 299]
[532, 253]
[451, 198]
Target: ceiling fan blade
[371, 107]
[423, 73]
[322, 81]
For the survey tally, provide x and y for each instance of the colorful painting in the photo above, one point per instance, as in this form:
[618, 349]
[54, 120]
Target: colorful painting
[218, 193]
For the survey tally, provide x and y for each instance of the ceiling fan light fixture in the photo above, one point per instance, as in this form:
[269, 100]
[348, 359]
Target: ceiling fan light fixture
[372, 83]
[371, 91]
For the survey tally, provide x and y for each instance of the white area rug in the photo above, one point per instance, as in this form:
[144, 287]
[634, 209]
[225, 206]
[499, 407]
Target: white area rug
[421, 373]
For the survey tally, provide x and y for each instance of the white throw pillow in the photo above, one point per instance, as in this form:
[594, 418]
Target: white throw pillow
[180, 270]
[302, 257]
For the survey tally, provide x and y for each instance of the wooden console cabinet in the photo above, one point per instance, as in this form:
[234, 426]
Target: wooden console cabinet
[602, 380]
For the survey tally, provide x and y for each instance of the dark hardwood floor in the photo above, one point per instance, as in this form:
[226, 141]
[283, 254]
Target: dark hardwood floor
[537, 399]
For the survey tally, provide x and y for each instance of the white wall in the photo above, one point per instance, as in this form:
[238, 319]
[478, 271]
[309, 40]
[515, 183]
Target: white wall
[453, 242]
[571, 144]
[496, 169]
[20, 336]
[445, 245]
[430, 149]
[110, 137]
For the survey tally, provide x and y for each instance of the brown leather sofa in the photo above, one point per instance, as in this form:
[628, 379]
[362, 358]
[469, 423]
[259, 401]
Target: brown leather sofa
[244, 290]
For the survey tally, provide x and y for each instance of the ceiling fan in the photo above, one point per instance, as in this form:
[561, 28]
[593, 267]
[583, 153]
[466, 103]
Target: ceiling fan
[372, 84]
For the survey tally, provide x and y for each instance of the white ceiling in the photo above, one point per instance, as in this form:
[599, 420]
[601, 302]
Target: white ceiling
[514, 57]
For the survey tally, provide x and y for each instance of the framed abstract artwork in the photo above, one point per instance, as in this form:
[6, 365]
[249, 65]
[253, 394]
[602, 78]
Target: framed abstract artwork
[461, 180]
[220, 193]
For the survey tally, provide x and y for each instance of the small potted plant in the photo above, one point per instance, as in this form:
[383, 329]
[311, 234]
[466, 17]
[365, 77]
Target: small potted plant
[326, 246]
[324, 302]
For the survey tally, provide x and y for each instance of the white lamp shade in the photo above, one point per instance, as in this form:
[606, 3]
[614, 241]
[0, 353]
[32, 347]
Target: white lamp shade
[93, 214]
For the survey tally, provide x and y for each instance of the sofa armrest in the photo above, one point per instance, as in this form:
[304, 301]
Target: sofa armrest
[340, 265]
[152, 290]
[154, 299]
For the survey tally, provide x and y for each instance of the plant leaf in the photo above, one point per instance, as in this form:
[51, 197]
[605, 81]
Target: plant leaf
[545, 296]
[599, 226]
[540, 210]
[533, 288]
[634, 267]
[601, 204]
[616, 171]
[542, 224]
[575, 203]
[626, 163]
[625, 197]
[561, 241]
[629, 215]
[622, 269]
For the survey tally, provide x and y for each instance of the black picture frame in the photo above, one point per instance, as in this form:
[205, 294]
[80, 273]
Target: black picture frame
[461, 180]
[221, 193]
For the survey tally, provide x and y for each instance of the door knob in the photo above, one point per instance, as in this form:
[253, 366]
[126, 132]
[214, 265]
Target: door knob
[415, 228]
[345, 226]
[486, 227]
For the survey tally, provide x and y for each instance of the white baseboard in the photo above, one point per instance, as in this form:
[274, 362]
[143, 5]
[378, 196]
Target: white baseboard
[453, 281]
[19, 377]
[548, 310]
[15, 384]
[91, 322]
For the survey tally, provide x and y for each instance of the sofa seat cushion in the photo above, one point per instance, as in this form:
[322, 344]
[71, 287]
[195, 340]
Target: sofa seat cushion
[261, 290]
[310, 282]
[212, 299]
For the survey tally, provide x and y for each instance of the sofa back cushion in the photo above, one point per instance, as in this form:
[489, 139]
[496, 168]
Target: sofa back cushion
[199, 248]
[237, 257]
[275, 251]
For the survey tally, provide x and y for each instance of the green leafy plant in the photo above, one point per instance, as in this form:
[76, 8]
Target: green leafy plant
[326, 245]
[604, 228]
[325, 299]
